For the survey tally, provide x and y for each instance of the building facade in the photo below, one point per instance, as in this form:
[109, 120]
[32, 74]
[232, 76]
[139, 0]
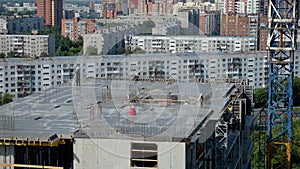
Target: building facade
[28, 45]
[175, 44]
[22, 77]
[52, 10]
[17, 25]
[107, 40]
[239, 25]
[74, 28]
[209, 23]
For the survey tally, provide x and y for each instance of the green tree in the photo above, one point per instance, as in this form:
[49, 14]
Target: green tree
[138, 51]
[296, 91]
[6, 98]
[146, 27]
[296, 145]
[44, 54]
[2, 55]
[11, 54]
[260, 97]
[1, 99]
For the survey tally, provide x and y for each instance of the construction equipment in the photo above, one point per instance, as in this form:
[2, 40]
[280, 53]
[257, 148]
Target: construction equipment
[282, 18]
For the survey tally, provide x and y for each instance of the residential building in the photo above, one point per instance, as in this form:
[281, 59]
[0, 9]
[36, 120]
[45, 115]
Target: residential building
[177, 44]
[22, 77]
[107, 40]
[18, 25]
[24, 7]
[209, 23]
[76, 27]
[3, 26]
[254, 6]
[51, 10]
[239, 25]
[241, 6]
[28, 45]
[148, 7]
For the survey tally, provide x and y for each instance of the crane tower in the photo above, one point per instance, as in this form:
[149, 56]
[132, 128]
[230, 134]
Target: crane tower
[282, 18]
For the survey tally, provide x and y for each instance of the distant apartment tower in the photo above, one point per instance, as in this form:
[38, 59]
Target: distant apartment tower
[239, 25]
[113, 8]
[28, 45]
[74, 28]
[150, 7]
[241, 6]
[254, 6]
[209, 23]
[52, 10]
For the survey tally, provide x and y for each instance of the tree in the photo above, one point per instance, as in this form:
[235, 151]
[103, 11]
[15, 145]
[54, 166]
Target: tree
[296, 145]
[1, 99]
[6, 98]
[138, 51]
[260, 97]
[43, 54]
[2, 55]
[11, 54]
[296, 91]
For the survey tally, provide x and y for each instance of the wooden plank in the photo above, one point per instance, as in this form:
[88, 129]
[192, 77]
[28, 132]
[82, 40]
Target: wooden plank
[29, 166]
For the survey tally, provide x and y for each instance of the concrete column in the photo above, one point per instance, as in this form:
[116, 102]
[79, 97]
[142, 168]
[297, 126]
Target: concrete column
[7, 155]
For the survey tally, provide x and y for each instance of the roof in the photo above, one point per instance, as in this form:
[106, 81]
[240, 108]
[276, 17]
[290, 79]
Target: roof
[101, 108]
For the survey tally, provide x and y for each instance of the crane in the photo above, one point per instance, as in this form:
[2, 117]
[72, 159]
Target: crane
[282, 19]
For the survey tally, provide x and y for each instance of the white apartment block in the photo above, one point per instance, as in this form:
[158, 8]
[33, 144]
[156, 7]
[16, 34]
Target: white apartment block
[3, 26]
[253, 6]
[22, 8]
[28, 45]
[21, 77]
[175, 44]
[107, 40]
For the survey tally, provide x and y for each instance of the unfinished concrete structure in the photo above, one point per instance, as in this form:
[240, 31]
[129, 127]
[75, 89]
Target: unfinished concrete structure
[129, 124]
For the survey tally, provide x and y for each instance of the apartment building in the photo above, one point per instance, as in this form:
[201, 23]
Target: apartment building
[175, 44]
[22, 77]
[28, 45]
[51, 10]
[209, 23]
[17, 7]
[76, 27]
[17, 25]
[239, 25]
[241, 6]
[107, 40]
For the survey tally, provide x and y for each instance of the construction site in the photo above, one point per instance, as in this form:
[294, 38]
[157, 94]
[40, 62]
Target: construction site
[135, 123]
[138, 122]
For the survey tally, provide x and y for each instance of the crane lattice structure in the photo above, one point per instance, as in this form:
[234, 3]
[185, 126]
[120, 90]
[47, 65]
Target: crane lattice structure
[283, 18]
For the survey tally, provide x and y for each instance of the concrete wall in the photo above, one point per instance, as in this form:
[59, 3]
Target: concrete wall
[7, 155]
[115, 154]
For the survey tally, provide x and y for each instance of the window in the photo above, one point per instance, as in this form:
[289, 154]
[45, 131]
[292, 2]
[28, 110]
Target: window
[144, 155]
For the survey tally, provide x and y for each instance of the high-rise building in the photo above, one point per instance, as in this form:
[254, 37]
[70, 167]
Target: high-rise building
[239, 25]
[52, 10]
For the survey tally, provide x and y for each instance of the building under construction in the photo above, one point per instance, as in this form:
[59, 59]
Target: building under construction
[130, 123]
